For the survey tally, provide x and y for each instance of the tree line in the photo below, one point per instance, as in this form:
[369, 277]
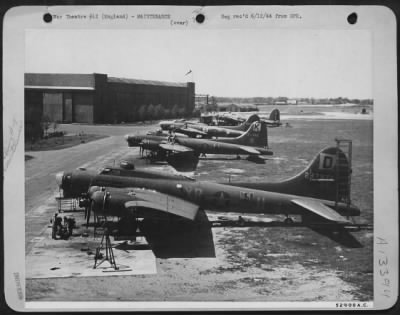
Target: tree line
[302, 100]
[155, 112]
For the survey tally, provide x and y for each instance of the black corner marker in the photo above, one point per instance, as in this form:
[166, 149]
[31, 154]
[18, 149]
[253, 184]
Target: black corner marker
[47, 17]
[352, 18]
[200, 18]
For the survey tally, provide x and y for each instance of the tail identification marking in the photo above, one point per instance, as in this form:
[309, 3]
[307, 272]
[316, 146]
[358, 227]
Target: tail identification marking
[327, 161]
[257, 127]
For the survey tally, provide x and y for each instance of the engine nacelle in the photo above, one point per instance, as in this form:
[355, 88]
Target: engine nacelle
[152, 145]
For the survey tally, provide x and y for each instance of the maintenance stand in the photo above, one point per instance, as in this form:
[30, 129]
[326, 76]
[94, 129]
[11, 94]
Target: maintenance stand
[105, 244]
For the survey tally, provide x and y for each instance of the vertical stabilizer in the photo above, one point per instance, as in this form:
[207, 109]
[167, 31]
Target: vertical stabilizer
[326, 177]
[275, 115]
[255, 136]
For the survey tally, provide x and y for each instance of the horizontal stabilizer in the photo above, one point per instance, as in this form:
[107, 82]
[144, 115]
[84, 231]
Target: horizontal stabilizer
[250, 150]
[162, 202]
[175, 147]
[320, 210]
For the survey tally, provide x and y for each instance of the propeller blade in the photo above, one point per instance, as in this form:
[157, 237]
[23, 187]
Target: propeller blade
[88, 214]
[104, 199]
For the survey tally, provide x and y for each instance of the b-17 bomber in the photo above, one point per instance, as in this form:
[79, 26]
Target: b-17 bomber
[273, 120]
[319, 194]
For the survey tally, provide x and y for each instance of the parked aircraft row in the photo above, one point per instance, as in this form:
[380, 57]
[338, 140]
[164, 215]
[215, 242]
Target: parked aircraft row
[254, 142]
[320, 194]
[201, 130]
[181, 141]
[233, 119]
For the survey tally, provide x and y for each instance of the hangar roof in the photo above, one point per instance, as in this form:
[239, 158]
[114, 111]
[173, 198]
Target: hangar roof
[60, 81]
[145, 82]
[82, 81]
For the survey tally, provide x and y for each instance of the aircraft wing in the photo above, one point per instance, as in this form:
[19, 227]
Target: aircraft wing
[191, 131]
[250, 150]
[270, 122]
[162, 202]
[175, 147]
[320, 210]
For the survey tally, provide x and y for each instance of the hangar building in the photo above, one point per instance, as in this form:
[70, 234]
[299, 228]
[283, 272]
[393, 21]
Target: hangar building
[98, 98]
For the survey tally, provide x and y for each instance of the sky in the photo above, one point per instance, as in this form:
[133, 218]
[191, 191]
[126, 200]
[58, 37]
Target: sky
[231, 63]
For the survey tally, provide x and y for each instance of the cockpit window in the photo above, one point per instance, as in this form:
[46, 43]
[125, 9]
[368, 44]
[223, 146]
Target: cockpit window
[110, 171]
[105, 171]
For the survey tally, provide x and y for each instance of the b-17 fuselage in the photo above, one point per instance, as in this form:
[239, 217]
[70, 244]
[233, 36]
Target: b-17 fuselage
[302, 195]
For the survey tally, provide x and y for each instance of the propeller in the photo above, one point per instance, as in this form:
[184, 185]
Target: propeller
[90, 209]
[84, 202]
[90, 203]
[98, 198]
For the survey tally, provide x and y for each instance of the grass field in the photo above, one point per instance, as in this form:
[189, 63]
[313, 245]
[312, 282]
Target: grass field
[58, 143]
[293, 149]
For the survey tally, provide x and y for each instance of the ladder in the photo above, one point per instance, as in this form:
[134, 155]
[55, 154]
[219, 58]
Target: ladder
[343, 171]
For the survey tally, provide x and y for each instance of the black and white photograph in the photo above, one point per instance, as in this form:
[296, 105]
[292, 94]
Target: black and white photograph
[217, 158]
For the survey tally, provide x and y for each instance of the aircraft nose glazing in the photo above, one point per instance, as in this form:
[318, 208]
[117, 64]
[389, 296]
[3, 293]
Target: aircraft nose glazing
[59, 178]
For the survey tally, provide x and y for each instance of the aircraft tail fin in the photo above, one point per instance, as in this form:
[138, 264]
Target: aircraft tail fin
[255, 136]
[275, 115]
[246, 125]
[327, 177]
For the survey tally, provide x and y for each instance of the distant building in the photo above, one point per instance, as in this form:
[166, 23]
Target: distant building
[97, 98]
[292, 101]
[205, 103]
[303, 103]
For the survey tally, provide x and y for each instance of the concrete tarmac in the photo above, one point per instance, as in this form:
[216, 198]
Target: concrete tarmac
[40, 171]
[230, 263]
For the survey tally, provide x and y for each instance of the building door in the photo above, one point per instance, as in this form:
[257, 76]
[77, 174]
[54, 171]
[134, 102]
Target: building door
[53, 106]
[33, 114]
[83, 108]
[67, 117]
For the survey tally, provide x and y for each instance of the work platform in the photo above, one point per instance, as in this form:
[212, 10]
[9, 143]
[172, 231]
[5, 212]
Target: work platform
[74, 257]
